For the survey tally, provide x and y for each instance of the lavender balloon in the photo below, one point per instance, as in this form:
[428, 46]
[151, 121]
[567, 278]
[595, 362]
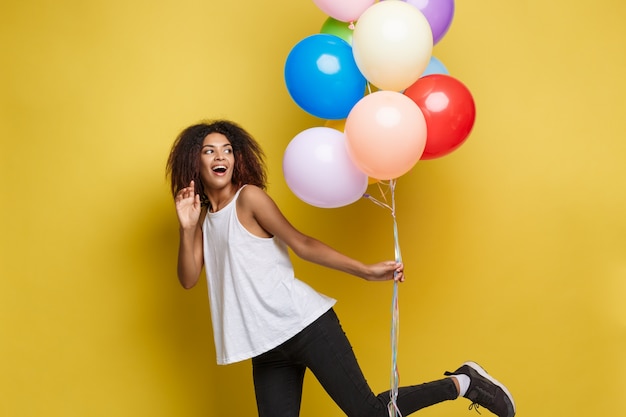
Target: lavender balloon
[319, 171]
[439, 14]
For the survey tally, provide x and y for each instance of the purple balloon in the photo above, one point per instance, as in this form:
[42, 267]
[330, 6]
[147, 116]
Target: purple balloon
[319, 171]
[439, 14]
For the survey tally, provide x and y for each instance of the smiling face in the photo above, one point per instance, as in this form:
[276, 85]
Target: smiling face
[217, 161]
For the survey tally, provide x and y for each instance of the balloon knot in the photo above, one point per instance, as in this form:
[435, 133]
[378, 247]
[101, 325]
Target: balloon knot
[351, 26]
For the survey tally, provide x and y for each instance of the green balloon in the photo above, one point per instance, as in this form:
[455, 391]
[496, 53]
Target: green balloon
[340, 29]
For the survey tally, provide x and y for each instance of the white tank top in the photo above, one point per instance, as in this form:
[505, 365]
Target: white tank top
[256, 301]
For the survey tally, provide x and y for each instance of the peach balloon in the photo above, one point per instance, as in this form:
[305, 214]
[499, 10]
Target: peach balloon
[385, 134]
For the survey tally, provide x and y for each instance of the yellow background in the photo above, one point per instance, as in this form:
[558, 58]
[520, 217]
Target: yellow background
[514, 245]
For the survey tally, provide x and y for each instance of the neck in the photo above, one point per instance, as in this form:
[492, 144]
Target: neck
[218, 199]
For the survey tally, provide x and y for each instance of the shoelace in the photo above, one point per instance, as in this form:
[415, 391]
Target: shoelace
[483, 398]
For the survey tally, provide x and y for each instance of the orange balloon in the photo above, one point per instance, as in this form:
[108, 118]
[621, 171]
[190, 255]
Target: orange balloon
[385, 134]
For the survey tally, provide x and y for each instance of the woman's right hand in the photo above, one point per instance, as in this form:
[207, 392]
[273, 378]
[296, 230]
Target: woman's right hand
[188, 206]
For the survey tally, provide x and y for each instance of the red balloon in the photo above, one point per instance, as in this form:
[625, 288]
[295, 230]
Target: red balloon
[449, 111]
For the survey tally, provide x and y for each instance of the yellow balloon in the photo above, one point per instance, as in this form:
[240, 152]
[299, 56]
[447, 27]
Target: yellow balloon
[392, 44]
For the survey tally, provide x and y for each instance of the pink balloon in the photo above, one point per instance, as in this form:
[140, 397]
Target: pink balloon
[344, 10]
[319, 171]
[385, 134]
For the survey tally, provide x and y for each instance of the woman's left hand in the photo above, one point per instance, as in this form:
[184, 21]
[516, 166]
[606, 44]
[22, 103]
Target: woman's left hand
[385, 271]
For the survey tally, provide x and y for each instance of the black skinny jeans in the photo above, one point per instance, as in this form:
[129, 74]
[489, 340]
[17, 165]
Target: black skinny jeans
[324, 349]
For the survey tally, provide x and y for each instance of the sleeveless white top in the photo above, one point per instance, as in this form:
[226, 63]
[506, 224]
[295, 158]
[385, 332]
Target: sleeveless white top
[256, 301]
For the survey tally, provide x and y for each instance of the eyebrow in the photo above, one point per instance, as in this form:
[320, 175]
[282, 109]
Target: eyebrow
[214, 146]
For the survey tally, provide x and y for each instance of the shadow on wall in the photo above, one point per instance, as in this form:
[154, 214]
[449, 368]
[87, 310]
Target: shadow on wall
[169, 325]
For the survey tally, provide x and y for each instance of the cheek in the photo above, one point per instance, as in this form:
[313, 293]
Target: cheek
[204, 172]
[205, 164]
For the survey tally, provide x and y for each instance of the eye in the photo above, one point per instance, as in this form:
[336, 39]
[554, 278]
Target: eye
[208, 150]
[228, 150]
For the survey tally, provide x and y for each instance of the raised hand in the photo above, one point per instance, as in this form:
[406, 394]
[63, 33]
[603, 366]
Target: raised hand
[188, 206]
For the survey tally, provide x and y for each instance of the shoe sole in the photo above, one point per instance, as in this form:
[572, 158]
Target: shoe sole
[485, 375]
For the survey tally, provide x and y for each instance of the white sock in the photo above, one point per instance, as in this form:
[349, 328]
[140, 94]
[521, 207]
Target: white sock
[464, 383]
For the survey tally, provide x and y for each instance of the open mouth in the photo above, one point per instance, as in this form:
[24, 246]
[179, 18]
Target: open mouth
[220, 169]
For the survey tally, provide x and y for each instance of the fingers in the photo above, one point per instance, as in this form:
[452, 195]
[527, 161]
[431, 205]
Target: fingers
[398, 272]
[386, 271]
[187, 192]
[398, 276]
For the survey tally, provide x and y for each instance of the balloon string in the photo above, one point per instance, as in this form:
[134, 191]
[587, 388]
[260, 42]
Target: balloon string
[395, 375]
[395, 310]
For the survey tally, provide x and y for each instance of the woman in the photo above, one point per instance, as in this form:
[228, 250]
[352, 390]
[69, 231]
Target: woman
[230, 227]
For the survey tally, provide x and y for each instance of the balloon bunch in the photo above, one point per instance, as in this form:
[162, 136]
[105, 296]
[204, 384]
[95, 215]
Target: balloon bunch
[416, 110]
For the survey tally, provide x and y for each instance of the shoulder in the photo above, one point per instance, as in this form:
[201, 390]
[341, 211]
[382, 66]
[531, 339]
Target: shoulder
[256, 200]
[253, 198]
[257, 212]
[252, 194]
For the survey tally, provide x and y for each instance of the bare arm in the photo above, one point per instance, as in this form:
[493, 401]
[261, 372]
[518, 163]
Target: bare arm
[190, 251]
[258, 206]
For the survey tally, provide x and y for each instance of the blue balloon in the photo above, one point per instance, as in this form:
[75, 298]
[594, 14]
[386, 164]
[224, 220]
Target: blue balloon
[435, 66]
[322, 77]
